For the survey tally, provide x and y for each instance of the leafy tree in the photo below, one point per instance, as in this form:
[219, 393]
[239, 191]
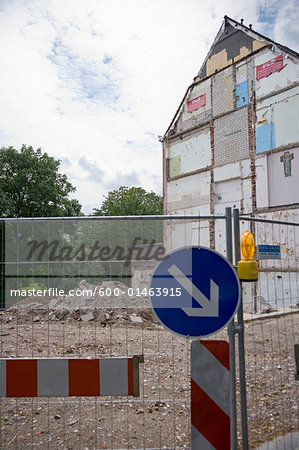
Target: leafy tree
[31, 185]
[133, 201]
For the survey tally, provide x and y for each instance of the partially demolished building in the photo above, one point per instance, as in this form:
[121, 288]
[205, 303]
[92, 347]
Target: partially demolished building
[234, 142]
[234, 139]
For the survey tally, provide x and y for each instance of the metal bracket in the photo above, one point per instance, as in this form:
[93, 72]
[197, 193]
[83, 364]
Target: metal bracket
[238, 328]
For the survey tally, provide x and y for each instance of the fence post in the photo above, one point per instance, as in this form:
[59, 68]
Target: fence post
[2, 264]
[240, 331]
[231, 338]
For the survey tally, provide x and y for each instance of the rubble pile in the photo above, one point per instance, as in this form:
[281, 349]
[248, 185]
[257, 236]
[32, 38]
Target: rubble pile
[106, 302]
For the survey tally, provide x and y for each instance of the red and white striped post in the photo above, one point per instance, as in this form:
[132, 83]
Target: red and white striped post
[210, 408]
[69, 377]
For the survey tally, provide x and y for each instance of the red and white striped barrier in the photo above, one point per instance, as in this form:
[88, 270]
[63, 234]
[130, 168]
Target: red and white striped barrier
[210, 415]
[69, 377]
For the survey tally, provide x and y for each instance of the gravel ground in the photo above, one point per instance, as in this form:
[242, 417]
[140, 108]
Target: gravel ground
[160, 417]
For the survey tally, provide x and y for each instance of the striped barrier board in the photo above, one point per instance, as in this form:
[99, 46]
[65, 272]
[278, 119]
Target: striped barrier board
[69, 377]
[210, 413]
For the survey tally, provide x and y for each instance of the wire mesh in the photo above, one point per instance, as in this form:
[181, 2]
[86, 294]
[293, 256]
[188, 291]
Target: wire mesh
[99, 259]
[271, 307]
[79, 289]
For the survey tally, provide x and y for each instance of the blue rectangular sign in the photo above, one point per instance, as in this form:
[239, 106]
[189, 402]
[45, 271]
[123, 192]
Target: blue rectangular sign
[268, 252]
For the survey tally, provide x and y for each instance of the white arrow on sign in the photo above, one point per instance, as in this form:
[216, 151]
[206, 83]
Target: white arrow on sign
[209, 308]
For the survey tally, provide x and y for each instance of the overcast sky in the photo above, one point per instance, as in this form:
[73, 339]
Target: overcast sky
[94, 82]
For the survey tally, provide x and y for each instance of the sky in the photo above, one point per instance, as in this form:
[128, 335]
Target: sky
[95, 82]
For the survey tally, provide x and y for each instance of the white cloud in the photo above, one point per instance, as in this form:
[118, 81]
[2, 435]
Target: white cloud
[286, 25]
[97, 81]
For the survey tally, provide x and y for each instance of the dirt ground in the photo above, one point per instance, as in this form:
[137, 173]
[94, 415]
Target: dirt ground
[160, 417]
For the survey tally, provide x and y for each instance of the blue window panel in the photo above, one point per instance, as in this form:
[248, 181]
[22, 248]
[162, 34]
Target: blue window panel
[242, 93]
[265, 138]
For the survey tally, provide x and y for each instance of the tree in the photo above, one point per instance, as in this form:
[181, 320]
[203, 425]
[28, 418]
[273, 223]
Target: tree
[120, 235]
[133, 201]
[31, 185]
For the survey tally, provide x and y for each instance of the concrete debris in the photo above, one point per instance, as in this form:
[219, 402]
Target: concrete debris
[106, 295]
[87, 317]
[135, 319]
[73, 422]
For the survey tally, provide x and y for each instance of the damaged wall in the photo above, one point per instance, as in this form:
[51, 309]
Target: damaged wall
[281, 76]
[189, 194]
[277, 177]
[262, 192]
[197, 107]
[232, 187]
[231, 137]
[189, 154]
[283, 170]
[250, 107]
[230, 46]
[222, 91]
[243, 86]
[230, 124]
[277, 121]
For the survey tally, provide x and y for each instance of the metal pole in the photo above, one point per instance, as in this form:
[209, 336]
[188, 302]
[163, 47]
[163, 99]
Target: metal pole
[240, 331]
[198, 237]
[231, 338]
[2, 264]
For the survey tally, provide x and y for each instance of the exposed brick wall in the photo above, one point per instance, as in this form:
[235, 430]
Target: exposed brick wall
[222, 91]
[165, 178]
[251, 136]
[251, 77]
[251, 131]
[212, 197]
[231, 137]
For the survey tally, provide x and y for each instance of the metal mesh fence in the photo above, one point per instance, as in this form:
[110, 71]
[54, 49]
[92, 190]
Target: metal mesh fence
[94, 276]
[271, 331]
[79, 289]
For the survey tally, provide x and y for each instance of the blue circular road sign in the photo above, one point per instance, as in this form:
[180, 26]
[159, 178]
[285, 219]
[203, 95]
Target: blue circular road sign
[195, 292]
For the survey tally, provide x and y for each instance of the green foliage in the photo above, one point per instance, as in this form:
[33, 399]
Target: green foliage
[32, 285]
[31, 186]
[133, 201]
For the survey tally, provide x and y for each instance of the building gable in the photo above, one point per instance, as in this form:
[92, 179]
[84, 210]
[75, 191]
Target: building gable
[231, 44]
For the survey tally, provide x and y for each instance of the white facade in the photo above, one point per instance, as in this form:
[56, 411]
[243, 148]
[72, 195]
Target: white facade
[235, 142]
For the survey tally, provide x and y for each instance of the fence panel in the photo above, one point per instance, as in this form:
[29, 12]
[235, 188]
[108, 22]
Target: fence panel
[271, 313]
[79, 289]
[103, 266]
